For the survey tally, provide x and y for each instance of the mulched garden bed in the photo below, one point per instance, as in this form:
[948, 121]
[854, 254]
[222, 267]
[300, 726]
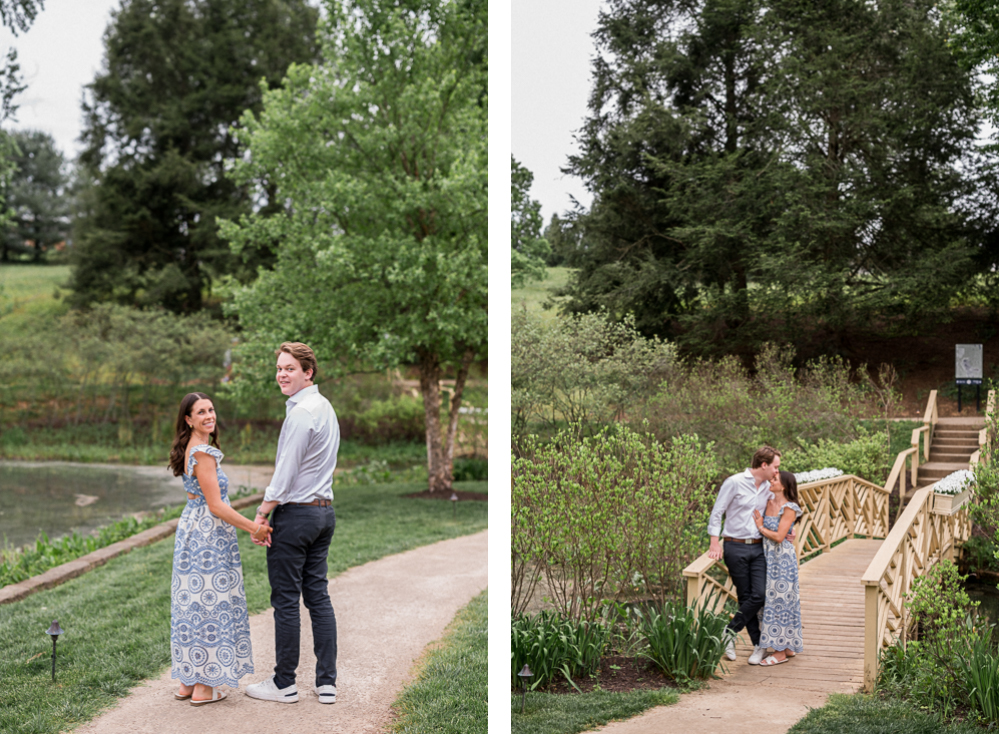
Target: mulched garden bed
[462, 496]
[618, 674]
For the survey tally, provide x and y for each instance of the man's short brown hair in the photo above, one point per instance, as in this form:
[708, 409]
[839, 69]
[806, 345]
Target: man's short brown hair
[763, 455]
[302, 354]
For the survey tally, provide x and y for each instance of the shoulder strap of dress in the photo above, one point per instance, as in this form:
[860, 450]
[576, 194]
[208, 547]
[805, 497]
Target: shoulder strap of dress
[205, 449]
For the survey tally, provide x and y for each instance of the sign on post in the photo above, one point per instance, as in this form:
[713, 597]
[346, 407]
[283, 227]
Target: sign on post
[968, 369]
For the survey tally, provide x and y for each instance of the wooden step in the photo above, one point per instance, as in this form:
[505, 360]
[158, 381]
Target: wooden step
[951, 456]
[956, 441]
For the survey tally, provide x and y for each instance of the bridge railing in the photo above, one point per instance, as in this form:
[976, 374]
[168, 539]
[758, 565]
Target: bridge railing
[920, 538]
[832, 510]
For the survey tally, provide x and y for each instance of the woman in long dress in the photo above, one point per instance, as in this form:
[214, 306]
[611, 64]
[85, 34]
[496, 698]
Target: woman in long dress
[780, 617]
[209, 625]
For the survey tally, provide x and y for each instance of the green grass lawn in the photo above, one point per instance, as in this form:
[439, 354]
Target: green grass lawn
[535, 293]
[861, 714]
[552, 713]
[117, 617]
[449, 694]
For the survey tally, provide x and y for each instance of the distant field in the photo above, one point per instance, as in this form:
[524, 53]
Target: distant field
[27, 287]
[534, 294]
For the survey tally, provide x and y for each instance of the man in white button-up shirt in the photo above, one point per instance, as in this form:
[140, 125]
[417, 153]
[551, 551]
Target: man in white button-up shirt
[301, 495]
[742, 549]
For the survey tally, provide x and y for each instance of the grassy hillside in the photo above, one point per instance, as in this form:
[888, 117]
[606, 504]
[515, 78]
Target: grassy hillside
[534, 294]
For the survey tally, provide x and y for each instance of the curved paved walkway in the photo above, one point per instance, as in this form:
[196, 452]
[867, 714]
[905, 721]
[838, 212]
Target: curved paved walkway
[750, 699]
[388, 611]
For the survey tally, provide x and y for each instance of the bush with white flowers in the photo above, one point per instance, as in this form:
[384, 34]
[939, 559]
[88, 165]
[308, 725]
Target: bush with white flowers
[817, 475]
[955, 483]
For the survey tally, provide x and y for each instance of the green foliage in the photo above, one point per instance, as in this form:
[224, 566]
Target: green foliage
[861, 714]
[585, 370]
[985, 507]
[939, 604]
[554, 647]
[471, 469]
[865, 456]
[684, 642]
[379, 155]
[449, 694]
[607, 517]
[397, 418]
[953, 665]
[761, 170]
[176, 76]
[528, 249]
[739, 410]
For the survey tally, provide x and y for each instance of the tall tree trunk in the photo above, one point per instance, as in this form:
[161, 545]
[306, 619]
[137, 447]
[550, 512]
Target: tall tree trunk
[438, 470]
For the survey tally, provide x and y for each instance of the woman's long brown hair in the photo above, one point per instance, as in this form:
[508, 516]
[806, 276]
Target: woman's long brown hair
[182, 433]
[791, 486]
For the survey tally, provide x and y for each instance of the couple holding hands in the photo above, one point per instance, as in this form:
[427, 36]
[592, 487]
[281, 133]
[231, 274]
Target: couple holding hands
[210, 627]
[760, 506]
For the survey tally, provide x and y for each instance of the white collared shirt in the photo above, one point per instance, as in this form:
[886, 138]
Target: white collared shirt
[738, 497]
[307, 450]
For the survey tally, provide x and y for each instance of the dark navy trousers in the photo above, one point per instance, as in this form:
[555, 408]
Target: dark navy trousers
[296, 567]
[748, 570]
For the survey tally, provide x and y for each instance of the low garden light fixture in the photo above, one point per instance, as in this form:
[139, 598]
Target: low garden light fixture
[454, 500]
[54, 631]
[525, 675]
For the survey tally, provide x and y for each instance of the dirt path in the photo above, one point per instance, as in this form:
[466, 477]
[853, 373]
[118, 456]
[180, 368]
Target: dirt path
[388, 611]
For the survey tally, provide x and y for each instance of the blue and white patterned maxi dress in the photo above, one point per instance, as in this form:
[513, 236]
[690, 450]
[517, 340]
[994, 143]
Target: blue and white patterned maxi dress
[780, 617]
[209, 626]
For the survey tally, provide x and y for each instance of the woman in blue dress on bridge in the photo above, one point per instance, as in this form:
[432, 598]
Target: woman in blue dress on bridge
[780, 617]
[209, 625]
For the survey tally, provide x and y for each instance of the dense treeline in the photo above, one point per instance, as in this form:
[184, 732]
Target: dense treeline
[765, 169]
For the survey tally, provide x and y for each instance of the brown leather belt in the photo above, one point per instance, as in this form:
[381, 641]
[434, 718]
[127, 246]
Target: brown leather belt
[314, 503]
[748, 541]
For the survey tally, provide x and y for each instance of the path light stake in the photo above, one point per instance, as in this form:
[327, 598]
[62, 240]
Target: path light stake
[524, 675]
[54, 631]
[454, 499]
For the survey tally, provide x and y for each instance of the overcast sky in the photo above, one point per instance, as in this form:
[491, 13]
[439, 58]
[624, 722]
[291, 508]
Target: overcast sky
[60, 53]
[550, 53]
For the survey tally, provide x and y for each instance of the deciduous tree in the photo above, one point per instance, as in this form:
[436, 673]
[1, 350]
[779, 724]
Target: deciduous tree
[528, 249]
[379, 155]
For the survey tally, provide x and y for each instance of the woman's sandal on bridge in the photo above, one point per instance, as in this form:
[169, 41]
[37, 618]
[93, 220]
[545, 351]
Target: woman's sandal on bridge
[771, 660]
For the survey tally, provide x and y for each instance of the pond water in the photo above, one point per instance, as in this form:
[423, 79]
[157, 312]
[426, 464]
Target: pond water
[60, 497]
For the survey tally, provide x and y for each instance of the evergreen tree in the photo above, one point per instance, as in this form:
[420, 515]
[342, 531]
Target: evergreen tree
[177, 75]
[35, 195]
[798, 158]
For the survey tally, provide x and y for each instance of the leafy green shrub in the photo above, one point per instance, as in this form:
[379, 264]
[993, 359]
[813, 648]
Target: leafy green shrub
[954, 662]
[614, 516]
[470, 469]
[980, 554]
[865, 456]
[584, 370]
[684, 642]
[775, 403]
[552, 646]
[397, 418]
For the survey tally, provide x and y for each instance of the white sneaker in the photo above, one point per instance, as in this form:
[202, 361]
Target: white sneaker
[730, 646]
[327, 694]
[267, 691]
[757, 656]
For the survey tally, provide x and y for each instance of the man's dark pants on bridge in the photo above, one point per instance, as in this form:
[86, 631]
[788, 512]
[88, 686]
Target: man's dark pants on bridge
[748, 570]
[296, 564]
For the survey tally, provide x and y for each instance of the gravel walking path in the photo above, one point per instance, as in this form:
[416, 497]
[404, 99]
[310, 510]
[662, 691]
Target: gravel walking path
[388, 611]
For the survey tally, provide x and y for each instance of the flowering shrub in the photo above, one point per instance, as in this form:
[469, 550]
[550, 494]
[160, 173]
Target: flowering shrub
[817, 475]
[955, 483]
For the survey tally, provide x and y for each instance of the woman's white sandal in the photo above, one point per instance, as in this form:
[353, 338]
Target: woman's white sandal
[771, 660]
[217, 696]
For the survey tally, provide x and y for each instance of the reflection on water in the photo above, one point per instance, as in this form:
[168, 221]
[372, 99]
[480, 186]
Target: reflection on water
[60, 497]
[985, 592]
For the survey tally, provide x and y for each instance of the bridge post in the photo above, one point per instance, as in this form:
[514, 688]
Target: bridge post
[871, 637]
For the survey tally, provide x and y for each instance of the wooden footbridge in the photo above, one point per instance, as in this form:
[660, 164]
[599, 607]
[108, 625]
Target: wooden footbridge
[856, 567]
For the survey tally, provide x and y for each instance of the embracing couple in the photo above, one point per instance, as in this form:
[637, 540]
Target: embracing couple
[209, 626]
[760, 505]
